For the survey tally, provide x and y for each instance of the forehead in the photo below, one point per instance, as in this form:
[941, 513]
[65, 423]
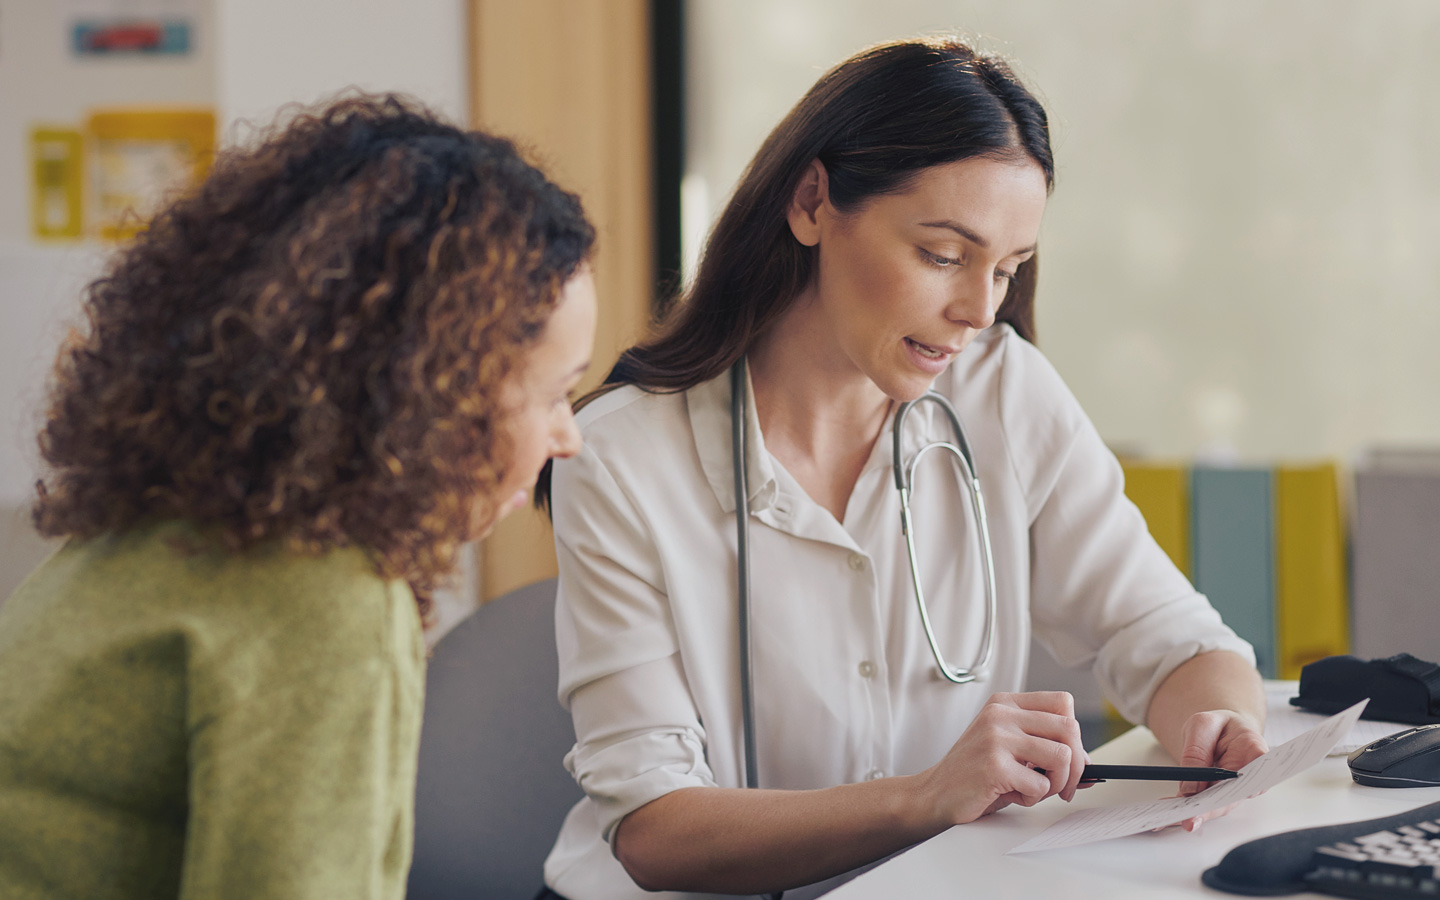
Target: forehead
[981, 192]
[565, 341]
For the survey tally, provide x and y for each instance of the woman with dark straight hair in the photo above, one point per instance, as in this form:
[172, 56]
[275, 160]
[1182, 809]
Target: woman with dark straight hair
[882, 244]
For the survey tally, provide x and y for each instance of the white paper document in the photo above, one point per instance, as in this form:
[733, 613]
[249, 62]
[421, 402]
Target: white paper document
[1290, 758]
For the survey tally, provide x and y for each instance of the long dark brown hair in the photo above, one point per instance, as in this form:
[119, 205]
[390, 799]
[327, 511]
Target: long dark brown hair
[875, 121]
[310, 347]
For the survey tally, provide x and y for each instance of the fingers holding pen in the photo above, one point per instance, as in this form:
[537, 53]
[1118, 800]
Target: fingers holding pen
[1051, 716]
[995, 762]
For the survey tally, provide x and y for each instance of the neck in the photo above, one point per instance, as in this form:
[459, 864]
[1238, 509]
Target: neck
[819, 413]
[805, 388]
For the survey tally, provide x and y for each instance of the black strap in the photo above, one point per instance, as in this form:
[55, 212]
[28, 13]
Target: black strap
[1427, 673]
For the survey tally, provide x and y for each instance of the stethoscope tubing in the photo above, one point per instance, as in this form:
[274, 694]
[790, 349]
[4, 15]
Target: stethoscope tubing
[905, 483]
[738, 417]
[904, 475]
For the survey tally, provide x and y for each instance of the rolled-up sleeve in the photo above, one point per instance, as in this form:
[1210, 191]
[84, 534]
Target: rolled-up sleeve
[1103, 592]
[638, 733]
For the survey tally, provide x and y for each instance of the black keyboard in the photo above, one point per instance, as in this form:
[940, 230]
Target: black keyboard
[1390, 856]
[1399, 862]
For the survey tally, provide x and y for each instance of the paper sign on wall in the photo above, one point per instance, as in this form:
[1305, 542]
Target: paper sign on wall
[140, 158]
[131, 27]
[57, 197]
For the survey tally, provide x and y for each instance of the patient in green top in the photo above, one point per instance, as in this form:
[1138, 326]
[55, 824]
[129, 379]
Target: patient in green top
[300, 389]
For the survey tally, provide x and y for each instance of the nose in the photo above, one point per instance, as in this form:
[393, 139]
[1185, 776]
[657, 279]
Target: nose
[565, 440]
[977, 298]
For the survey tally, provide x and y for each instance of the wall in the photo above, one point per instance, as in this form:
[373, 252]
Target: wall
[1237, 259]
[41, 83]
[274, 52]
[570, 81]
[249, 58]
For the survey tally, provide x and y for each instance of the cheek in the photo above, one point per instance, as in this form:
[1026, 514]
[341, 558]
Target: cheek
[532, 445]
[885, 286]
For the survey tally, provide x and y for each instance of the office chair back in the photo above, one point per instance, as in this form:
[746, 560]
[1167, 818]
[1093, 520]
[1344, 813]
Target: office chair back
[492, 791]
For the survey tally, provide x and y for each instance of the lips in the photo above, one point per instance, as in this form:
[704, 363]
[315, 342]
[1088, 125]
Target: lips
[931, 351]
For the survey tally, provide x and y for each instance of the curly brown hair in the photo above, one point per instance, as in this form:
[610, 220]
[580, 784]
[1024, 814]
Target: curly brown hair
[310, 347]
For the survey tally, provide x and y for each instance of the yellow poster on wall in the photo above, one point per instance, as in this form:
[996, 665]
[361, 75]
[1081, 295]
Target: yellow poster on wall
[140, 158]
[57, 194]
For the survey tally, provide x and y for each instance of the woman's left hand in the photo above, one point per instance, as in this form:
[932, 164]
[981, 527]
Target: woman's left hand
[1222, 738]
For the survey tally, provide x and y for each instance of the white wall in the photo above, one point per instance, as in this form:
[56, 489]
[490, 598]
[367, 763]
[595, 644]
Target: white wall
[1239, 255]
[41, 83]
[250, 57]
[274, 52]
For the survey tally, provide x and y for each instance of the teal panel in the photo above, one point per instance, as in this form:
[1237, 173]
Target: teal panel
[1232, 531]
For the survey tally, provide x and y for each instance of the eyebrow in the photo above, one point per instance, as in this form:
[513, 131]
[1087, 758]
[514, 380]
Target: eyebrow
[971, 236]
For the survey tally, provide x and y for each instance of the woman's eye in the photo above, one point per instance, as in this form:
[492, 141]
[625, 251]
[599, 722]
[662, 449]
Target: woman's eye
[1007, 277]
[935, 259]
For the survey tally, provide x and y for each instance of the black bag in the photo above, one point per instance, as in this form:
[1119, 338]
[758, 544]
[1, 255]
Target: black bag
[1401, 688]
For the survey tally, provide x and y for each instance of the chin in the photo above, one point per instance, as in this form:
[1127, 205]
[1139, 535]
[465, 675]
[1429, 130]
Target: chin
[481, 529]
[905, 390]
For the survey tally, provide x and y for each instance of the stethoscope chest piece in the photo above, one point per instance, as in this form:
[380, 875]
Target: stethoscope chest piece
[904, 472]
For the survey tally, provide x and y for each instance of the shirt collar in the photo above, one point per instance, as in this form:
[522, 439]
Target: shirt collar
[709, 408]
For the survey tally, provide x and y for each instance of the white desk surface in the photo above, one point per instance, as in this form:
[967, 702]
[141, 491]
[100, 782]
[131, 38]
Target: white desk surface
[970, 861]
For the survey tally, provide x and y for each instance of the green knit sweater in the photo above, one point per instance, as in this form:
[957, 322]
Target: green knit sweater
[207, 725]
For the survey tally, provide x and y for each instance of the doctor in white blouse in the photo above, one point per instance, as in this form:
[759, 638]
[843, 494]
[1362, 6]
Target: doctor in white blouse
[881, 243]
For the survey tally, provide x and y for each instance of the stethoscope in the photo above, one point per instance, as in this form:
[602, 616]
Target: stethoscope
[905, 483]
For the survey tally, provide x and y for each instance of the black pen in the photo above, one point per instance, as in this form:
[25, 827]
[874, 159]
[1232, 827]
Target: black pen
[1097, 774]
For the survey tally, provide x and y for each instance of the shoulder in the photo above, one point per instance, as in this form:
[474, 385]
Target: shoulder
[334, 604]
[647, 458]
[615, 415]
[1002, 363]
[1005, 380]
[329, 608]
[631, 432]
[235, 625]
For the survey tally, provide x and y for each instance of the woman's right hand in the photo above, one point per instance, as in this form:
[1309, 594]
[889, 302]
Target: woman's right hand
[994, 762]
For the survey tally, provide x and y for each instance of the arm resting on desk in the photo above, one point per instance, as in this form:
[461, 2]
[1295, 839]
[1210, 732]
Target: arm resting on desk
[1210, 712]
[741, 841]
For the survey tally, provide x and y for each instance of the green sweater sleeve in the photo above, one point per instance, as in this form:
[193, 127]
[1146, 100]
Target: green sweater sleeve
[207, 724]
[302, 764]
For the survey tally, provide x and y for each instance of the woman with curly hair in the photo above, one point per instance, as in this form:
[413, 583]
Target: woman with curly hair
[301, 389]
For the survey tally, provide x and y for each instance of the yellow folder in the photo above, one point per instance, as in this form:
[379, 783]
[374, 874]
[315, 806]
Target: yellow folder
[1312, 609]
[1162, 492]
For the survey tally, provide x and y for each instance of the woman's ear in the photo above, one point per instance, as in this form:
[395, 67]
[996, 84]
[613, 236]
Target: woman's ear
[812, 194]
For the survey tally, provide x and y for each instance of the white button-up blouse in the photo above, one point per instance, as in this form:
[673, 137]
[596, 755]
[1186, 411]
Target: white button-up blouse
[846, 687]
